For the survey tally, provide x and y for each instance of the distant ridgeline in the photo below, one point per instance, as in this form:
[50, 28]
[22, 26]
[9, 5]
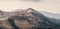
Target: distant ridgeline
[4, 14]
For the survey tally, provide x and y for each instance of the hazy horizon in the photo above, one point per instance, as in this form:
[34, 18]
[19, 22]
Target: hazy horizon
[52, 6]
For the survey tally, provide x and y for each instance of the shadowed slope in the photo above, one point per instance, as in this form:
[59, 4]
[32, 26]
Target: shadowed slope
[12, 23]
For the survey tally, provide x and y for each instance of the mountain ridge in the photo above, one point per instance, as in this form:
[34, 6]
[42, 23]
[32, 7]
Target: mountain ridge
[30, 19]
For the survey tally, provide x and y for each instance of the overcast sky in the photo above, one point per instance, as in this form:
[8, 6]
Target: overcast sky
[52, 6]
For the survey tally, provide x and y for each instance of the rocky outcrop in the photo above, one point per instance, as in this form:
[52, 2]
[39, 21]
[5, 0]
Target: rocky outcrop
[4, 24]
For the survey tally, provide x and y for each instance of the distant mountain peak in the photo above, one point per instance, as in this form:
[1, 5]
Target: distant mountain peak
[31, 9]
[29, 19]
